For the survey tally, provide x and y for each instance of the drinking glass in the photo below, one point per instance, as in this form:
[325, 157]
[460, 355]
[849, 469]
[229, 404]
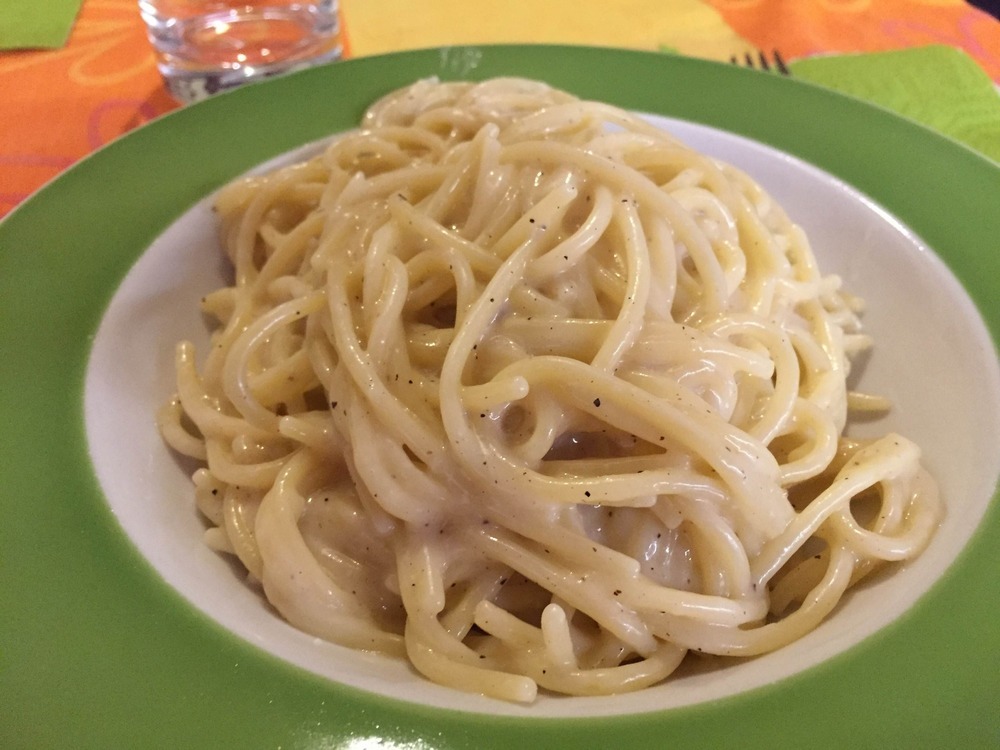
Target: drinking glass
[206, 46]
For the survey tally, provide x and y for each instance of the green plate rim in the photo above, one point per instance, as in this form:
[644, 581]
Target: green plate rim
[96, 651]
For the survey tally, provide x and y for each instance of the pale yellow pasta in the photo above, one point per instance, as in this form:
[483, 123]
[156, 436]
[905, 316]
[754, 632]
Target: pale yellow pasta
[526, 391]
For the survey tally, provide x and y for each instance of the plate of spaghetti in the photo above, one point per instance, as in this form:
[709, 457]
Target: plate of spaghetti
[464, 398]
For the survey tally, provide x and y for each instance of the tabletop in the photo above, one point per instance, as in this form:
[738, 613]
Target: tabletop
[936, 61]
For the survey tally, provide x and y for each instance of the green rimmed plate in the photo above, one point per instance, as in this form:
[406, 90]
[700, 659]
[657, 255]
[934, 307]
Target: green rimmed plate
[96, 651]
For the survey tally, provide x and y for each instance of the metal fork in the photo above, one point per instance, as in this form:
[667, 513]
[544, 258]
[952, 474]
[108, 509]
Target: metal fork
[761, 62]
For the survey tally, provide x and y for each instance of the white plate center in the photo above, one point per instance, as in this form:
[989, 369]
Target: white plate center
[933, 356]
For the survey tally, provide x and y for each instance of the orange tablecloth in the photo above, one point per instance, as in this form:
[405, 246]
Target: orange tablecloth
[58, 105]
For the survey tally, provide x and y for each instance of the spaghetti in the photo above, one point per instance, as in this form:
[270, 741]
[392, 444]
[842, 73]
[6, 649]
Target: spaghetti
[522, 389]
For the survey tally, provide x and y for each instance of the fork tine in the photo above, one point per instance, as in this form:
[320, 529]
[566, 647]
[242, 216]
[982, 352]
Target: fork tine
[780, 64]
[761, 62]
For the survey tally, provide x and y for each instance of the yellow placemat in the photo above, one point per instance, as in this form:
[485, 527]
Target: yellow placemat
[690, 27]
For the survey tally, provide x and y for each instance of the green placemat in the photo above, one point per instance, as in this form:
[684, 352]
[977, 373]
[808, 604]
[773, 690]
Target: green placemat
[938, 86]
[26, 24]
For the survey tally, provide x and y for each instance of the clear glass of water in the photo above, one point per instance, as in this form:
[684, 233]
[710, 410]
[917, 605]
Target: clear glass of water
[206, 46]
